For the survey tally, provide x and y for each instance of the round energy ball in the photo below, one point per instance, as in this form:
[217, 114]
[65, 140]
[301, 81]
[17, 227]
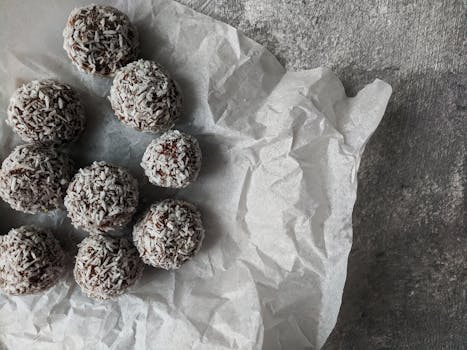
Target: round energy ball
[100, 39]
[31, 260]
[101, 197]
[34, 179]
[169, 234]
[173, 160]
[106, 267]
[46, 112]
[144, 97]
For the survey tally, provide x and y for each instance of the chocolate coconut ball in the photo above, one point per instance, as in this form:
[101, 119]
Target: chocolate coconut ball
[101, 197]
[31, 260]
[169, 234]
[106, 267]
[144, 97]
[34, 179]
[100, 39]
[46, 112]
[173, 160]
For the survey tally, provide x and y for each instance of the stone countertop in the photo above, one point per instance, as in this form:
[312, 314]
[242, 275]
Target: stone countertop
[408, 269]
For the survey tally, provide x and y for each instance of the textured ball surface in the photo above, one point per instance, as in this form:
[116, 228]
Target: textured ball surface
[34, 179]
[144, 97]
[106, 267]
[169, 234]
[31, 260]
[101, 198]
[46, 112]
[100, 39]
[173, 160]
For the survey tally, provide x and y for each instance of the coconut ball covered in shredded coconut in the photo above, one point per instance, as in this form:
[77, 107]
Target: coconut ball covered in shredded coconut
[100, 39]
[101, 197]
[31, 260]
[46, 112]
[169, 234]
[106, 267]
[173, 160]
[144, 97]
[34, 179]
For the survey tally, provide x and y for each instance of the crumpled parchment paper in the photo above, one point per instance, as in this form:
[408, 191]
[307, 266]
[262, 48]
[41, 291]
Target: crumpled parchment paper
[281, 153]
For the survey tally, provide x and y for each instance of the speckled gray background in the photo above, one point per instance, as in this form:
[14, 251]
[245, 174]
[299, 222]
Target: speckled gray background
[408, 268]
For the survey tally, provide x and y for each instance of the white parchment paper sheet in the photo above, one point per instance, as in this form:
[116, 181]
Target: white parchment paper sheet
[278, 184]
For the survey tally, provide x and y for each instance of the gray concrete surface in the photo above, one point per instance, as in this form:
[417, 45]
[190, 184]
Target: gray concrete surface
[407, 274]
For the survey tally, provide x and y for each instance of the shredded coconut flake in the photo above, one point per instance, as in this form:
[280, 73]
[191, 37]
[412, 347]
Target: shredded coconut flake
[100, 39]
[173, 160]
[46, 112]
[169, 234]
[106, 267]
[101, 198]
[31, 260]
[33, 178]
[144, 97]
